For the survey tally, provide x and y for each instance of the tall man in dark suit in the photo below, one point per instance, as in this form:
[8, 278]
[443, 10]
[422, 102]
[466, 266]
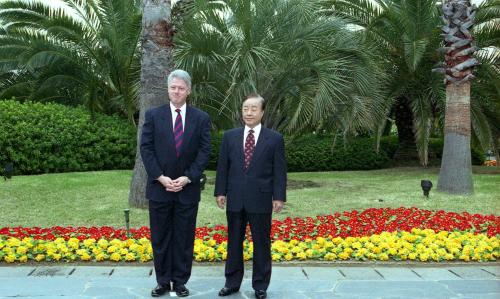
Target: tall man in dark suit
[251, 180]
[175, 148]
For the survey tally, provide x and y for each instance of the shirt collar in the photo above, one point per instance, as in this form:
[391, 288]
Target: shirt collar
[256, 129]
[183, 108]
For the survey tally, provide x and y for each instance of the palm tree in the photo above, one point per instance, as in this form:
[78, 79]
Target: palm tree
[85, 52]
[455, 175]
[156, 63]
[313, 71]
[407, 34]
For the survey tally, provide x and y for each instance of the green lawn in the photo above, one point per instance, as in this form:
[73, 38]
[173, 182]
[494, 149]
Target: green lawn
[98, 198]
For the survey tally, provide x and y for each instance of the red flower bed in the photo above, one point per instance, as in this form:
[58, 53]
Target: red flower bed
[347, 224]
[375, 221]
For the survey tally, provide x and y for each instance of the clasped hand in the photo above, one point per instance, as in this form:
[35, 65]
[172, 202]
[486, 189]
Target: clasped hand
[173, 185]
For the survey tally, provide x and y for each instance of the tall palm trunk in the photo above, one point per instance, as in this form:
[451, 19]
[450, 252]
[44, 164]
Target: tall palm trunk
[407, 148]
[455, 175]
[156, 39]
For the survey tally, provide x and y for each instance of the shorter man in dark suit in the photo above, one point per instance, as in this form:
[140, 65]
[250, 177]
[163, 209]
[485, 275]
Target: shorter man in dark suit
[175, 147]
[251, 180]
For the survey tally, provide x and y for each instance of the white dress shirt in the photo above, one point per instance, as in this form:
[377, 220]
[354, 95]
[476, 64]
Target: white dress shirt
[256, 132]
[174, 115]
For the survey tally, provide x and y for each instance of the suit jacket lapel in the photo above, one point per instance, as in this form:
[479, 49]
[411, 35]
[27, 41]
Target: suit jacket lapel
[189, 124]
[239, 146]
[166, 122]
[261, 145]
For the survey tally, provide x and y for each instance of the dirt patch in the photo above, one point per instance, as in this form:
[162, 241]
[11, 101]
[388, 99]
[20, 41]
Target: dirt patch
[486, 169]
[291, 184]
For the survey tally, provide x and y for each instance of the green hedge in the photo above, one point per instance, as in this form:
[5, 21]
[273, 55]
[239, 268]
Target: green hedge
[315, 153]
[390, 145]
[45, 138]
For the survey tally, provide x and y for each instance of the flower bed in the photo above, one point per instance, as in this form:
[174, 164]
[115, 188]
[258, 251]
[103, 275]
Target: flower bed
[372, 234]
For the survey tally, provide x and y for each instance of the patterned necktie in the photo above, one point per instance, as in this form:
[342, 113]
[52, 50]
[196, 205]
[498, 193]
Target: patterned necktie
[178, 132]
[249, 149]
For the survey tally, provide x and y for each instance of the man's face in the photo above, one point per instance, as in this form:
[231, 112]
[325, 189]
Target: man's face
[178, 91]
[252, 112]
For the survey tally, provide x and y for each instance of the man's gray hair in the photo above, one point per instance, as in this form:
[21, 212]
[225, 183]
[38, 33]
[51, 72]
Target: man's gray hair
[180, 74]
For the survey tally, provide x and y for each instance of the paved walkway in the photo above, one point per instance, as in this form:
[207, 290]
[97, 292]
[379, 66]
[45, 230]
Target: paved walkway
[334, 281]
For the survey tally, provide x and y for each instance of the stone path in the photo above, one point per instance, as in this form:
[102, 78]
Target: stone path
[122, 282]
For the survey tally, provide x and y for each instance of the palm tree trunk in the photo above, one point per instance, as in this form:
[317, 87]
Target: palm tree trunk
[156, 60]
[407, 148]
[455, 175]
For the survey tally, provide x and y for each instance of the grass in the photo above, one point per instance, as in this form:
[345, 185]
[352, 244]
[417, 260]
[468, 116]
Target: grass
[98, 198]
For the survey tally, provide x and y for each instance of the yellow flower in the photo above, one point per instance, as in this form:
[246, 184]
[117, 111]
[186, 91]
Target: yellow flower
[145, 241]
[130, 257]
[276, 257]
[89, 242]
[13, 242]
[200, 257]
[21, 250]
[221, 249]
[59, 241]
[103, 243]
[100, 257]
[464, 257]
[337, 240]
[85, 257]
[383, 257]
[73, 243]
[301, 255]
[115, 257]
[423, 257]
[288, 256]
[39, 257]
[330, 256]
[343, 255]
[10, 258]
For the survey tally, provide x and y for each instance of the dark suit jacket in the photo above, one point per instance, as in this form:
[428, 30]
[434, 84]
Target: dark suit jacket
[265, 179]
[159, 155]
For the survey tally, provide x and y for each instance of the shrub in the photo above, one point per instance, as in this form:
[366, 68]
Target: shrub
[389, 144]
[315, 153]
[44, 138]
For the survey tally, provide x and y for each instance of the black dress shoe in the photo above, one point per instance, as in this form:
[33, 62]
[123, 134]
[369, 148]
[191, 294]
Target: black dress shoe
[160, 290]
[260, 294]
[181, 290]
[225, 291]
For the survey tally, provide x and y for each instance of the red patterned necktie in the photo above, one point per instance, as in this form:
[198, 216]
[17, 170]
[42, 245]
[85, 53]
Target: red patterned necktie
[178, 132]
[249, 148]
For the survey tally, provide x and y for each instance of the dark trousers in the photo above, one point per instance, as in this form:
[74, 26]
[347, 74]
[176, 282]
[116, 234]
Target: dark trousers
[260, 226]
[172, 238]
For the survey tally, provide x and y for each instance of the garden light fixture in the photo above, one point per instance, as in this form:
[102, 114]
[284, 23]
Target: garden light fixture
[426, 187]
[127, 221]
[8, 170]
